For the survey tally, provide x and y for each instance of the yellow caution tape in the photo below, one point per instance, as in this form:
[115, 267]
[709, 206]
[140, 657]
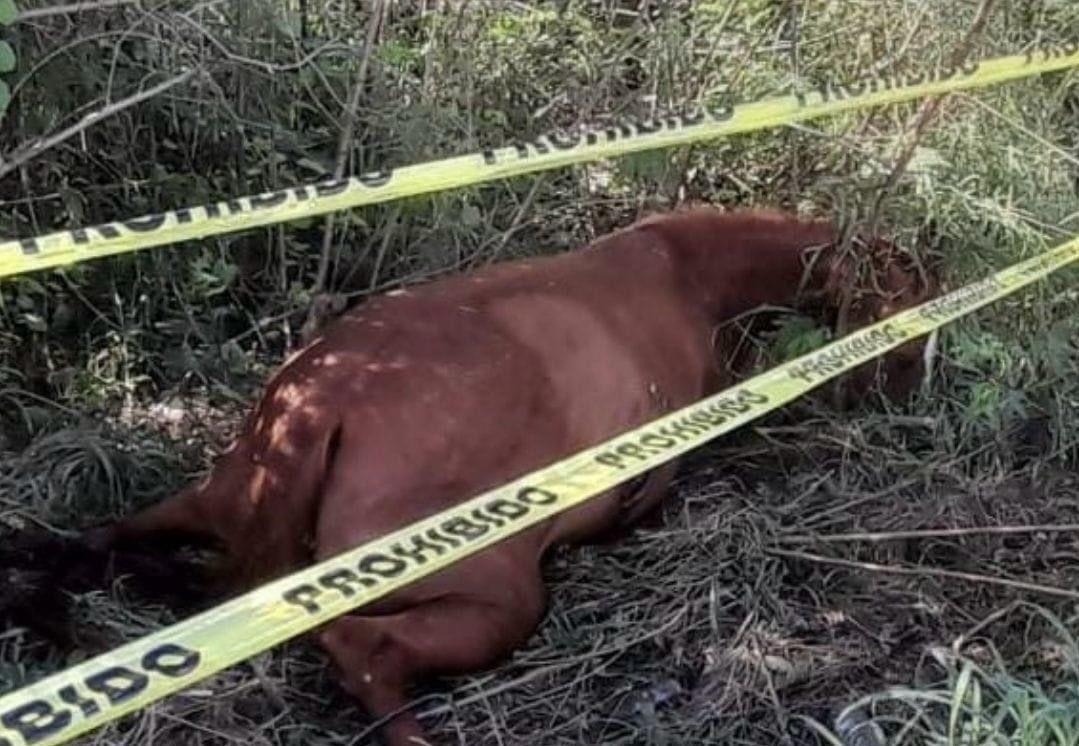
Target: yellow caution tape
[547, 152]
[104, 688]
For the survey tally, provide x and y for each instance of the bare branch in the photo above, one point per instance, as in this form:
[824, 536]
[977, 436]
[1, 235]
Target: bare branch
[929, 110]
[269, 67]
[344, 145]
[28, 151]
[70, 9]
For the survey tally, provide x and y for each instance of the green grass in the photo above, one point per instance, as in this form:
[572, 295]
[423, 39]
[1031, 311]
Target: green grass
[974, 704]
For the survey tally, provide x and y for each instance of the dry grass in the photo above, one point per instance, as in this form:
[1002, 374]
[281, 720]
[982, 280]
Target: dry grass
[695, 631]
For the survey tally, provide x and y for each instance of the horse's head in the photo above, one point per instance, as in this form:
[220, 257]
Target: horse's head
[869, 282]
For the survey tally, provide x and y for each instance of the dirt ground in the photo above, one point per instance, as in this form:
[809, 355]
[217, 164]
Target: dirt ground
[749, 608]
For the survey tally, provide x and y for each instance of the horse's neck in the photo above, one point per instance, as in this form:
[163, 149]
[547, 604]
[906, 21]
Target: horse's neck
[732, 264]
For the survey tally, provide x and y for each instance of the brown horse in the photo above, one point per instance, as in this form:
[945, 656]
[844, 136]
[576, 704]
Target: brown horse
[420, 399]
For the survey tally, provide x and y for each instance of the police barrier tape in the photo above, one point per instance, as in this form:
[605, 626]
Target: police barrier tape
[547, 152]
[85, 696]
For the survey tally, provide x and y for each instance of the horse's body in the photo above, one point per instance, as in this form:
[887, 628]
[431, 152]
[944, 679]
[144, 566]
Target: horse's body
[420, 399]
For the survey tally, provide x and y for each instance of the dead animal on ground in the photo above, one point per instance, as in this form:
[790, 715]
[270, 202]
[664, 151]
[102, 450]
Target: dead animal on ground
[417, 400]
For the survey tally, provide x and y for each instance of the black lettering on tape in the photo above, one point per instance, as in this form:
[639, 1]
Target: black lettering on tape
[692, 117]
[464, 529]
[29, 246]
[522, 150]
[223, 208]
[436, 536]
[622, 129]
[36, 720]
[506, 509]
[382, 565]
[345, 582]
[648, 126]
[170, 659]
[270, 199]
[418, 550]
[330, 188]
[1049, 51]
[145, 224]
[536, 496]
[118, 684]
[489, 157]
[70, 695]
[303, 596]
[652, 440]
[752, 397]
[679, 429]
[610, 459]
[632, 450]
[857, 88]
[894, 333]
[564, 142]
[375, 179]
[726, 408]
[591, 137]
[713, 416]
[736, 405]
[482, 517]
[183, 216]
[721, 112]
[731, 407]
[301, 193]
[106, 230]
[803, 371]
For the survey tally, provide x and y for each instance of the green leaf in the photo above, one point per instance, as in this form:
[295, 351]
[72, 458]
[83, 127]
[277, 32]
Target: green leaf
[7, 12]
[5, 96]
[7, 57]
[798, 336]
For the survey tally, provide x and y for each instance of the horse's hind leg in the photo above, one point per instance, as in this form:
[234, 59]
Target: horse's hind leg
[175, 519]
[378, 657]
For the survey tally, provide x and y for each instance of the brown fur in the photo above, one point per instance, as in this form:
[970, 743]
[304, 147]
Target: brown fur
[418, 400]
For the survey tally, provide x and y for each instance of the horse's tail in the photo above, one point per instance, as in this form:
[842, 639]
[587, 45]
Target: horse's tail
[43, 575]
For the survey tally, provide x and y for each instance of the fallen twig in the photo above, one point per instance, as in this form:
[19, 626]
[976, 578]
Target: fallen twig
[927, 572]
[927, 533]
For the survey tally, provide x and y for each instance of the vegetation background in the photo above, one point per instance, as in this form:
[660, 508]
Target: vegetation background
[753, 615]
